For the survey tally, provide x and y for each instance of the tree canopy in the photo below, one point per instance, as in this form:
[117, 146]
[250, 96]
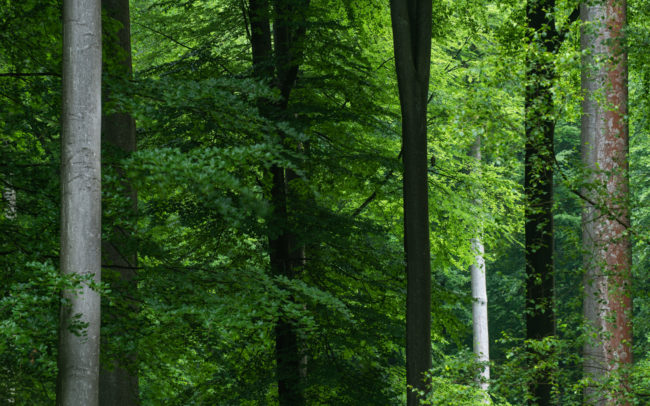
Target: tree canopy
[263, 199]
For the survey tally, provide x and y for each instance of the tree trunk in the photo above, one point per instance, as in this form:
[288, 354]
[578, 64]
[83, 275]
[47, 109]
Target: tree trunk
[10, 212]
[607, 301]
[78, 357]
[279, 65]
[118, 385]
[287, 350]
[411, 22]
[9, 196]
[479, 294]
[538, 187]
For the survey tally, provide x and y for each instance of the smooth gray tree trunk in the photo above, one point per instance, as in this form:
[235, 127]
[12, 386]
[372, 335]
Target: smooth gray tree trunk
[411, 22]
[607, 302]
[118, 384]
[78, 357]
[479, 294]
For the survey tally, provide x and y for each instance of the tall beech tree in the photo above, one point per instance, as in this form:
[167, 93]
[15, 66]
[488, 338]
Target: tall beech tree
[276, 58]
[78, 362]
[411, 22]
[479, 290]
[544, 41]
[118, 385]
[607, 303]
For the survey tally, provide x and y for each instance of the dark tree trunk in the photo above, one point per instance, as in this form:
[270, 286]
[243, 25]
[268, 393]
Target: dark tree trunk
[538, 185]
[279, 65]
[607, 300]
[281, 252]
[118, 383]
[411, 21]
[78, 356]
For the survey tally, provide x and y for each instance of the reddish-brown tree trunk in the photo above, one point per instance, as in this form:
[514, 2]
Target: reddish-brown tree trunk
[607, 301]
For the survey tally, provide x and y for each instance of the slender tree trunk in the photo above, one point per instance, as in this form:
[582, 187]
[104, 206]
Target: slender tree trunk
[607, 300]
[10, 213]
[9, 196]
[78, 357]
[411, 22]
[479, 294]
[279, 64]
[287, 350]
[118, 384]
[538, 187]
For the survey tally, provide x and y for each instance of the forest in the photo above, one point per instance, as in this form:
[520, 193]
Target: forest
[324, 202]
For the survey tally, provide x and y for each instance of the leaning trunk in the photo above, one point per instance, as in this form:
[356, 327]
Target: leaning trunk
[607, 301]
[118, 383]
[78, 357]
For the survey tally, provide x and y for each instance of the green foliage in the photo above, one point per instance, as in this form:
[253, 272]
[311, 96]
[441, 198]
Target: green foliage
[455, 380]
[204, 305]
[526, 360]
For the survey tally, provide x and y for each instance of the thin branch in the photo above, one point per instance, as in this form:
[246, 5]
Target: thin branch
[172, 39]
[28, 74]
[245, 14]
[373, 195]
[447, 67]
[457, 52]
[384, 63]
[589, 200]
[366, 202]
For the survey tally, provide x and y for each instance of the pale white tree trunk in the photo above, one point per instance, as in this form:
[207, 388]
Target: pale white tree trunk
[607, 303]
[479, 294]
[9, 196]
[78, 358]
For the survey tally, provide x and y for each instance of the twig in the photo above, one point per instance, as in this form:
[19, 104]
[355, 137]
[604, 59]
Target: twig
[175, 41]
[372, 197]
[28, 74]
[590, 201]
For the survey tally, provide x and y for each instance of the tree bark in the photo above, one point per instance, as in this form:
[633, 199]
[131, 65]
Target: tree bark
[411, 22]
[10, 213]
[607, 301]
[78, 357]
[118, 384]
[279, 63]
[9, 196]
[538, 186]
[479, 295]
